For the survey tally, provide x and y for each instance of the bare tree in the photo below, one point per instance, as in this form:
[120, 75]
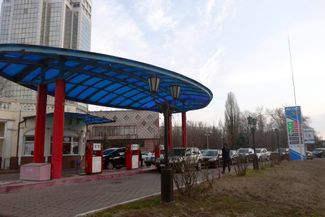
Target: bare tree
[232, 116]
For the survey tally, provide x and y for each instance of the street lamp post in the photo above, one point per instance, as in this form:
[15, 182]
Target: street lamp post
[167, 190]
[207, 134]
[252, 125]
[278, 140]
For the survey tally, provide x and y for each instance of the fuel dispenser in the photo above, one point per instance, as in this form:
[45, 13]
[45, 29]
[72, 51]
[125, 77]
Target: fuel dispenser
[94, 158]
[132, 155]
[159, 151]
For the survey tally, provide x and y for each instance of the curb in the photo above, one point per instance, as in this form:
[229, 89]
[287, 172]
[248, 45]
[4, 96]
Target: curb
[33, 185]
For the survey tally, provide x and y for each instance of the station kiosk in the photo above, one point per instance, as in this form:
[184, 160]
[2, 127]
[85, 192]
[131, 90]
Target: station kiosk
[94, 158]
[132, 155]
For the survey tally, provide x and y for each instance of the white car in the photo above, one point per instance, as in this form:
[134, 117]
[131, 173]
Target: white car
[262, 154]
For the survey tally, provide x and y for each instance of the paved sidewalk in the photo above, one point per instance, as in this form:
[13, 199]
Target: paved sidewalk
[70, 200]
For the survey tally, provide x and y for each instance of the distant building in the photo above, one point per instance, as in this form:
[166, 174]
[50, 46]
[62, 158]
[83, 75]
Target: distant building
[131, 126]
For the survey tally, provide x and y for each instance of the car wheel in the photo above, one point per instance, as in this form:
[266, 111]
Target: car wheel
[110, 166]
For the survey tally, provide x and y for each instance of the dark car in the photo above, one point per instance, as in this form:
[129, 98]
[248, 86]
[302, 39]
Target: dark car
[114, 158]
[211, 157]
[319, 152]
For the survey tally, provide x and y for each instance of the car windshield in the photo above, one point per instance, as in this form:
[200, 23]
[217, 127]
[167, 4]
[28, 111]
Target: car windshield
[210, 153]
[242, 151]
[177, 152]
[258, 150]
[109, 151]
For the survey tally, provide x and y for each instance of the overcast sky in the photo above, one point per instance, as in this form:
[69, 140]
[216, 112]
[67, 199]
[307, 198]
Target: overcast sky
[228, 45]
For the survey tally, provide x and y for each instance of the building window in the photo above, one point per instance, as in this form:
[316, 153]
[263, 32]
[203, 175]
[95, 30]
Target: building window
[70, 145]
[29, 145]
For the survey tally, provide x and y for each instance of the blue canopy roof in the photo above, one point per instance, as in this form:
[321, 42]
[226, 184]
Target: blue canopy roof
[87, 118]
[99, 79]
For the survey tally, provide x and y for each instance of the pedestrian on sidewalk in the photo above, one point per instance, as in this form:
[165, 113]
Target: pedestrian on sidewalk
[225, 157]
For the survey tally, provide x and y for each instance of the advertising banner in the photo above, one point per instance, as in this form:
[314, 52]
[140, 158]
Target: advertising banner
[295, 136]
[309, 135]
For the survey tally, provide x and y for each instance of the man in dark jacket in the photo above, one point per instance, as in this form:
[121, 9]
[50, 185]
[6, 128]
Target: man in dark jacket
[225, 157]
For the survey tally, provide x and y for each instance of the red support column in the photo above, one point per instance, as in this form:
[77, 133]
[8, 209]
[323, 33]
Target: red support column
[184, 133]
[58, 130]
[170, 133]
[39, 137]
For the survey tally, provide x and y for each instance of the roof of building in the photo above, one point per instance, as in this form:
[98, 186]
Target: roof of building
[87, 118]
[99, 79]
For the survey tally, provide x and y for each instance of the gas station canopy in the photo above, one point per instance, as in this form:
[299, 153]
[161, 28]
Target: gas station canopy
[99, 79]
[87, 118]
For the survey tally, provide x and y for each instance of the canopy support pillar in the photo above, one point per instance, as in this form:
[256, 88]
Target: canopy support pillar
[58, 130]
[39, 136]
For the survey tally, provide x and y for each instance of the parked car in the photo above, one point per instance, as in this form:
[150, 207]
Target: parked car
[283, 151]
[309, 155]
[246, 153]
[211, 157]
[178, 157]
[148, 158]
[114, 158]
[262, 154]
[319, 152]
[233, 155]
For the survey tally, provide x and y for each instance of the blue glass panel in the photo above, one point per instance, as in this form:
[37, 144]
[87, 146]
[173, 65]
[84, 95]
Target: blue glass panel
[139, 96]
[68, 87]
[98, 95]
[51, 87]
[14, 69]
[87, 93]
[103, 83]
[79, 78]
[32, 75]
[113, 87]
[2, 64]
[113, 74]
[98, 70]
[33, 57]
[92, 81]
[132, 80]
[131, 93]
[88, 68]
[146, 99]
[77, 91]
[12, 55]
[149, 104]
[122, 90]
[107, 98]
[51, 73]
[126, 102]
[118, 100]
[71, 63]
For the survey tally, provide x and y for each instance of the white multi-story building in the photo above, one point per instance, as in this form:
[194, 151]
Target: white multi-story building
[55, 23]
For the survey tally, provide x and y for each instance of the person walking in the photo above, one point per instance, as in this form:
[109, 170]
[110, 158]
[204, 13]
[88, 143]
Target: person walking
[225, 157]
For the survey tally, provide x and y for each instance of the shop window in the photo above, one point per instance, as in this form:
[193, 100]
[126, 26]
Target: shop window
[70, 145]
[29, 145]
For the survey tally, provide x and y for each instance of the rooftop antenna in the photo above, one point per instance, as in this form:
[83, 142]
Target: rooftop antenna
[294, 94]
[292, 76]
